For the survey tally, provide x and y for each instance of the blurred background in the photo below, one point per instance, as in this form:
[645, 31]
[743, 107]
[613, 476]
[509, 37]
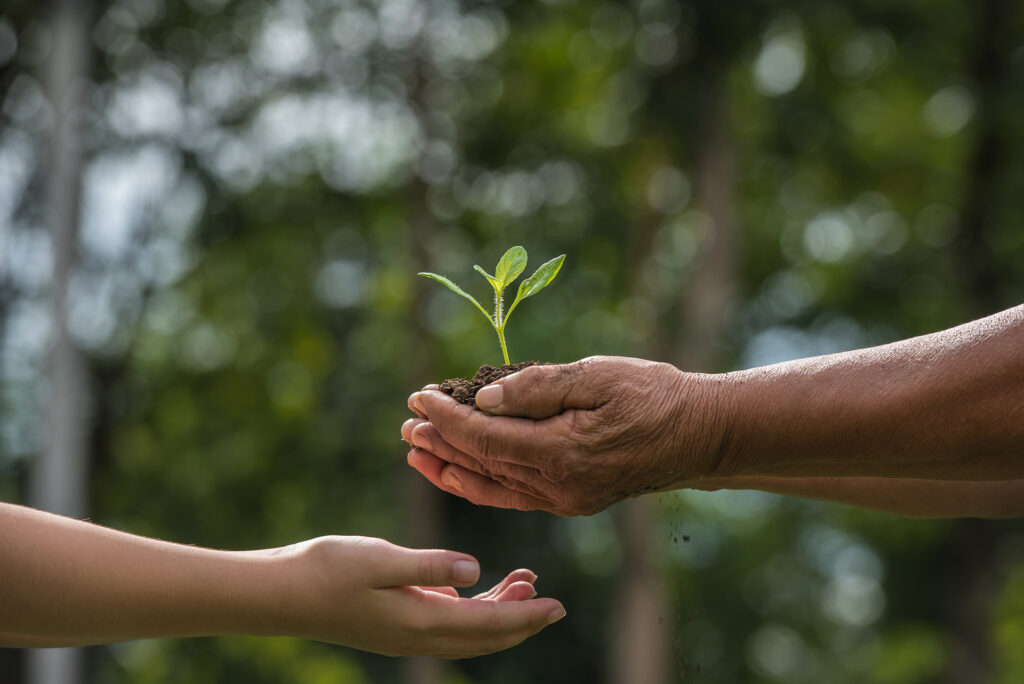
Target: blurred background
[212, 211]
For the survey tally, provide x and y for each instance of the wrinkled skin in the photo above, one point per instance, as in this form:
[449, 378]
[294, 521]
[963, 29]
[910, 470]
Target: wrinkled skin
[569, 439]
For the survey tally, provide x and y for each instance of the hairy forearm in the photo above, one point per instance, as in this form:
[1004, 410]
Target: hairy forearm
[901, 496]
[65, 582]
[947, 406]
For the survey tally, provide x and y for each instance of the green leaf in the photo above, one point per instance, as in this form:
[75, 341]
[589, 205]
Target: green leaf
[540, 279]
[512, 263]
[491, 279]
[457, 290]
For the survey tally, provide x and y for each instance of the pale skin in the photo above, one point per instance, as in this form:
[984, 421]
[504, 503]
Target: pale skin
[65, 582]
[931, 426]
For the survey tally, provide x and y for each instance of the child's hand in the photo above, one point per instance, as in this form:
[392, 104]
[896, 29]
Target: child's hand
[356, 591]
[370, 594]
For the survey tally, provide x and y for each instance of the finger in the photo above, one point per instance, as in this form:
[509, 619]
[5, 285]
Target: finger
[471, 646]
[491, 618]
[520, 575]
[486, 438]
[447, 591]
[544, 391]
[484, 491]
[408, 427]
[411, 403]
[394, 565]
[425, 436]
[517, 591]
[477, 489]
[454, 647]
[430, 467]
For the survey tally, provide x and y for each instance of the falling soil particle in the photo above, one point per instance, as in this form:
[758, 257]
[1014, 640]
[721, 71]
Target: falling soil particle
[464, 391]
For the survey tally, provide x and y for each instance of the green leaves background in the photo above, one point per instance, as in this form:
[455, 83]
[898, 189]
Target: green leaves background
[253, 346]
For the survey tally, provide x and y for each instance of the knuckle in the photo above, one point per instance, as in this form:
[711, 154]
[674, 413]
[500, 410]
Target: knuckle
[428, 568]
[531, 374]
[370, 546]
[532, 384]
[482, 445]
[523, 381]
[578, 422]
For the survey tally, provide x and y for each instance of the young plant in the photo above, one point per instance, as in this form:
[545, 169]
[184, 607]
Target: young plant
[509, 267]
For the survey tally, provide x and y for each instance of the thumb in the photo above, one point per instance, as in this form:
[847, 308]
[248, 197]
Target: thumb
[426, 568]
[544, 391]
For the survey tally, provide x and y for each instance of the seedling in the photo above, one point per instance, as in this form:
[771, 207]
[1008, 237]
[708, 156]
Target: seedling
[509, 267]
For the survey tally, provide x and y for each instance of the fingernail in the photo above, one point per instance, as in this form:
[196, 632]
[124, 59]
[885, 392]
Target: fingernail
[556, 615]
[452, 480]
[408, 426]
[419, 405]
[489, 397]
[465, 571]
[420, 440]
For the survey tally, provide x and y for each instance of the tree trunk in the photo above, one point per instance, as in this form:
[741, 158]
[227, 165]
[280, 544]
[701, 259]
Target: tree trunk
[994, 40]
[640, 621]
[970, 588]
[59, 474]
[710, 292]
[421, 509]
[970, 579]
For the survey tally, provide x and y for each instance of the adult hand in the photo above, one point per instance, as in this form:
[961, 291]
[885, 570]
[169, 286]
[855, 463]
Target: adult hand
[373, 595]
[570, 439]
[941, 407]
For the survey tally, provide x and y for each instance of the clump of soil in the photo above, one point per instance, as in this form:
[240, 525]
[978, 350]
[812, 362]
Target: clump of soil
[464, 391]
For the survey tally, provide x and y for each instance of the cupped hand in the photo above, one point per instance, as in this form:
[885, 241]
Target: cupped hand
[570, 439]
[373, 595]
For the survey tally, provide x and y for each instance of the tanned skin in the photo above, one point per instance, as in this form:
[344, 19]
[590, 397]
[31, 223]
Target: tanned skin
[930, 426]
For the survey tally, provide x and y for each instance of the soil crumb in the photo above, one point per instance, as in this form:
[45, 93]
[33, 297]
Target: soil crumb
[464, 391]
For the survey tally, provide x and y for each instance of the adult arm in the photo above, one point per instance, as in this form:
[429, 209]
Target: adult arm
[576, 438]
[66, 582]
[946, 406]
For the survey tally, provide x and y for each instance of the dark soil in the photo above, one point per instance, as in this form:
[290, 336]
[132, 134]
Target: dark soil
[464, 391]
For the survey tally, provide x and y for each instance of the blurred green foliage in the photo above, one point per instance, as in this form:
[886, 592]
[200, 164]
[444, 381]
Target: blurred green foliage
[293, 164]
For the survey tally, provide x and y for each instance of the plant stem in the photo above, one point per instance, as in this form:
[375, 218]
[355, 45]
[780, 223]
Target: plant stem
[499, 324]
[501, 339]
